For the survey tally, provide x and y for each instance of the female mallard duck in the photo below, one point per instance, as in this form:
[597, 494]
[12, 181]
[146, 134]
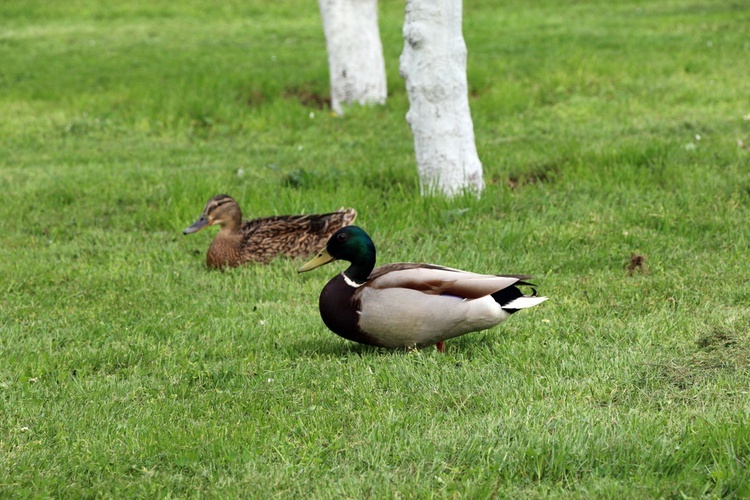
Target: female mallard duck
[409, 304]
[260, 240]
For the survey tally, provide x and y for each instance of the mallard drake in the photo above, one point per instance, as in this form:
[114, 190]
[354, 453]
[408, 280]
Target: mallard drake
[260, 240]
[409, 304]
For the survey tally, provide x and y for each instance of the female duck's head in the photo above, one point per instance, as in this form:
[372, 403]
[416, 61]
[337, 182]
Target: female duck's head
[221, 210]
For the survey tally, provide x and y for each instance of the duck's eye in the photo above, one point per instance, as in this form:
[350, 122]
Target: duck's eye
[342, 237]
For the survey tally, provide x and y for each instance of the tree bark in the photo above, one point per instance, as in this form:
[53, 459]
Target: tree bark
[433, 64]
[355, 53]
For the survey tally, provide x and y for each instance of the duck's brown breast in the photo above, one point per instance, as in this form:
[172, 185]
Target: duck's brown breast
[224, 251]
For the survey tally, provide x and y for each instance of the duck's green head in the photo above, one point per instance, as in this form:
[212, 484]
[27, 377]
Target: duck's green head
[349, 243]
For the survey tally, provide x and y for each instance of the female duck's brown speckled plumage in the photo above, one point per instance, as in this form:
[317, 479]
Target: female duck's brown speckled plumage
[260, 240]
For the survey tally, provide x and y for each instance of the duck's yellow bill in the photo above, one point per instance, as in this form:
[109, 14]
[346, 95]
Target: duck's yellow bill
[322, 258]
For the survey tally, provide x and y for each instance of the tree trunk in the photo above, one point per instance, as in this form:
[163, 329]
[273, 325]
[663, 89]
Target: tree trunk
[355, 53]
[434, 65]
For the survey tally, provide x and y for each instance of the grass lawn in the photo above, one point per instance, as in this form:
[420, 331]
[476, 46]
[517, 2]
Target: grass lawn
[615, 141]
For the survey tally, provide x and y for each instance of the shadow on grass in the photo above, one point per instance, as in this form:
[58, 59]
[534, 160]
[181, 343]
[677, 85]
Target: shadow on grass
[307, 96]
[336, 347]
[721, 350]
[540, 173]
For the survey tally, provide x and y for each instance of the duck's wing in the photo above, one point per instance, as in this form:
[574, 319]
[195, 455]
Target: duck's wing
[318, 224]
[294, 235]
[439, 280]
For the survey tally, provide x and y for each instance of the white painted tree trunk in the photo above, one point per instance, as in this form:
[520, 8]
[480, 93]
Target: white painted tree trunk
[355, 53]
[434, 65]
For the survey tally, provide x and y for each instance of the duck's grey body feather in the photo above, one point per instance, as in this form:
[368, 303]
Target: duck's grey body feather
[418, 305]
[410, 304]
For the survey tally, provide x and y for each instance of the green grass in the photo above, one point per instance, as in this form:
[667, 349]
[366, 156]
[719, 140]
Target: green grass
[605, 130]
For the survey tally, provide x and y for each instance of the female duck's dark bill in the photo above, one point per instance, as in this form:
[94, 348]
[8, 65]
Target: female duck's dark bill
[322, 258]
[196, 226]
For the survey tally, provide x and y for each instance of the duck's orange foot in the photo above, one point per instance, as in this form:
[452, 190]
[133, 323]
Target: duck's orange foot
[440, 346]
